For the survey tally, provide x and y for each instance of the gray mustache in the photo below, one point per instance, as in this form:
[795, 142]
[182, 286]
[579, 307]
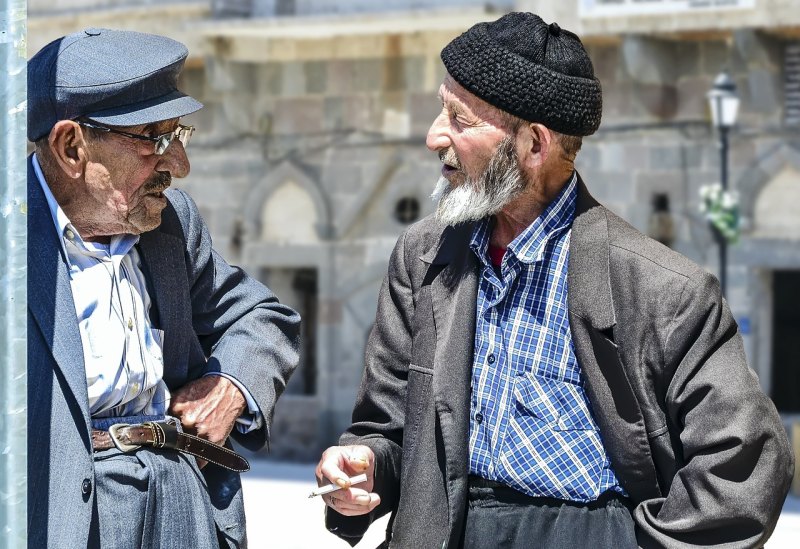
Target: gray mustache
[160, 182]
[448, 156]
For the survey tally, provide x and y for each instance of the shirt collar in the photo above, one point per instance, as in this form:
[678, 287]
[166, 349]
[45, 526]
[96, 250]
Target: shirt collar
[120, 244]
[529, 245]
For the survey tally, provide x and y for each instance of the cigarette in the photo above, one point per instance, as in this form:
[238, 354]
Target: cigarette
[358, 479]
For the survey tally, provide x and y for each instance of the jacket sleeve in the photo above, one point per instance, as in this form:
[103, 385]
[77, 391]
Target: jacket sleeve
[736, 463]
[379, 412]
[243, 329]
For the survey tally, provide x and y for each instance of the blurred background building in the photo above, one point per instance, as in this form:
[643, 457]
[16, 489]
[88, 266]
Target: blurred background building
[309, 159]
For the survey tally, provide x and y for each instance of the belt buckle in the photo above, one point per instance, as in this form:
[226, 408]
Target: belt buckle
[113, 432]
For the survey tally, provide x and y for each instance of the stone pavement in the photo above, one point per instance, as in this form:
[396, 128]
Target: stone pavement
[281, 516]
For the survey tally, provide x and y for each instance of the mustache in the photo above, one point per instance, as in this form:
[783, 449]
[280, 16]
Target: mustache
[158, 183]
[448, 156]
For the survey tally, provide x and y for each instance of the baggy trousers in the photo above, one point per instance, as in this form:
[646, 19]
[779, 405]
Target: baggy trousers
[502, 518]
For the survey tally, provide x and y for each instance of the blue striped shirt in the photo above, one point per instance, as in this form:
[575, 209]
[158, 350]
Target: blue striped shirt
[531, 425]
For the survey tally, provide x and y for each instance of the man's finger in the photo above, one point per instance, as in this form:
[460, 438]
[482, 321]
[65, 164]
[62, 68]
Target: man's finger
[330, 470]
[358, 460]
[364, 503]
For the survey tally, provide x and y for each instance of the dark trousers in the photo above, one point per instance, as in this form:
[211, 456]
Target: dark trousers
[499, 517]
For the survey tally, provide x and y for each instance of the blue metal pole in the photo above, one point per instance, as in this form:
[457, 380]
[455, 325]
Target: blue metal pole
[13, 280]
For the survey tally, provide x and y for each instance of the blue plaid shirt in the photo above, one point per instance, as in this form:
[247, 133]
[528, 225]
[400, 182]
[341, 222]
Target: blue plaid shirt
[531, 425]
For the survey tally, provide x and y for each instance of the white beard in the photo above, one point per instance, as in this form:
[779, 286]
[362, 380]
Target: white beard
[485, 196]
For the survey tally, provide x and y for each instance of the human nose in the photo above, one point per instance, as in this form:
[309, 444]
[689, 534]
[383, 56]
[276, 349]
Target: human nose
[438, 135]
[174, 160]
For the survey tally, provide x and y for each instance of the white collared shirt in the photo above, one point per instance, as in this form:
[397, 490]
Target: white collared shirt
[122, 351]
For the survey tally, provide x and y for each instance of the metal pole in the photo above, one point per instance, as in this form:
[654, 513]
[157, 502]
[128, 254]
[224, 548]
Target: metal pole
[723, 243]
[13, 280]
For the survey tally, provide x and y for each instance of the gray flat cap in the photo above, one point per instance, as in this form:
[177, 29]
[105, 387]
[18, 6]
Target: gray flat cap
[119, 78]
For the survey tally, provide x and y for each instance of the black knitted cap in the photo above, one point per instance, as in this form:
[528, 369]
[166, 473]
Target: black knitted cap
[530, 69]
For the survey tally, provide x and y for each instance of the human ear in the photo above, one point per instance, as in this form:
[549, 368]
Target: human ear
[68, 147]
[535, 142]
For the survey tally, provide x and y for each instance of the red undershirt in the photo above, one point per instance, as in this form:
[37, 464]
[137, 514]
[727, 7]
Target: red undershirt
[496, 254]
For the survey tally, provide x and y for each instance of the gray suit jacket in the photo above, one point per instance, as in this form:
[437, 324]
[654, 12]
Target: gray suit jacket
[692, 438]
[214, 317]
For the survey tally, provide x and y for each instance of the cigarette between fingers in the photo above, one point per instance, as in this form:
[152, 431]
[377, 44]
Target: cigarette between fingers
[321, 491]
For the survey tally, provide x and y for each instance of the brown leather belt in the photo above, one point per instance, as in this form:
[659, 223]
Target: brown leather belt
[166, 435]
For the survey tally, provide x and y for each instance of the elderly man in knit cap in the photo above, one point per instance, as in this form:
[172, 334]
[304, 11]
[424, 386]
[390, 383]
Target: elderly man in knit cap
[541, 374]
[145, 348]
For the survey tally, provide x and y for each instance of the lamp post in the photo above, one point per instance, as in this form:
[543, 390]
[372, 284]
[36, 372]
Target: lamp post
[724, 105]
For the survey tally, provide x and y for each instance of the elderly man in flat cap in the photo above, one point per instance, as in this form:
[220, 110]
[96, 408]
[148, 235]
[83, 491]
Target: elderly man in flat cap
[145, 348]
[541, 374]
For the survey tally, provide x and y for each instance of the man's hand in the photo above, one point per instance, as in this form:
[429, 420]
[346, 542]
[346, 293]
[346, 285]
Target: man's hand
[208, 407]
[337, 464]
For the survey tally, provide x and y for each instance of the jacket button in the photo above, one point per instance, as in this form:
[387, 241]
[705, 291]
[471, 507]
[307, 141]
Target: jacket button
[86, 487]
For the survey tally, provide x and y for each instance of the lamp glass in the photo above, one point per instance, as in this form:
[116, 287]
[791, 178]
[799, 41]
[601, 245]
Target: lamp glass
[723, 102]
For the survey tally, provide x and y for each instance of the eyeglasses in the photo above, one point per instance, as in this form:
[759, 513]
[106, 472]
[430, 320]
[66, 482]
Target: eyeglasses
[181, 133]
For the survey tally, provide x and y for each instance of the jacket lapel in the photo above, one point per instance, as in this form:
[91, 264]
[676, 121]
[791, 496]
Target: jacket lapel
[162, 261]
[592, 321]
[454, 295]
[50, 296]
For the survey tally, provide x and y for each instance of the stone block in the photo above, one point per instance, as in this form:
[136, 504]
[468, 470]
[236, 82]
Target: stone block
[596, 184]
[293, 79]
[606, 61]
[394, 77]
[297, 116]
[340, 76]
[671, 184]
[589, 157]
[686, 58]
[424, 107]
[692, 101]
[362, 112]
[742, 154]
[203, 120]
[193, 82]
[669, 158]
[658, 100]
[414, 71]
[228, 76]
[333, 113]
[610, 186]
[269, 79]
[716, 57]
[650, 61]
[765, 90]
[316, 76]
[624, 156]
[342, 177]
[757, 49]
[618, 105]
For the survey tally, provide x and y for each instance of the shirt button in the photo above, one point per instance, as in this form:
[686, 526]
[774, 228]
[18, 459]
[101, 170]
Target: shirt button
[479, 417]
[130, 324]
[70, 234]
[86, 487]
[490, 359]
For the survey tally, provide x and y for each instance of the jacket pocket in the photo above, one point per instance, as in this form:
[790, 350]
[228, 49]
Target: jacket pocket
[417, 395]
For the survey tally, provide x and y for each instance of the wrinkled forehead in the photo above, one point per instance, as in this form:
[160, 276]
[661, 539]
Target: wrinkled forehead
[454, 96]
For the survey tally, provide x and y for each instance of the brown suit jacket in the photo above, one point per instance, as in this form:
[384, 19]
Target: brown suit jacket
[691, 436]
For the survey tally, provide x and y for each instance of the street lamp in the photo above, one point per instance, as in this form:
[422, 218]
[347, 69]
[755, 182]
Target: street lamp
[724, 105]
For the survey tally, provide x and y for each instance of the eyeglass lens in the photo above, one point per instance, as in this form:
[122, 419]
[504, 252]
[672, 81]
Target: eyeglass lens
[183, 133]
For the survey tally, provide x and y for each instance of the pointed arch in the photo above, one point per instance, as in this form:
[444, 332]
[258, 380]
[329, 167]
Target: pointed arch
[286, 181]
[775, 209]
[782, 156]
